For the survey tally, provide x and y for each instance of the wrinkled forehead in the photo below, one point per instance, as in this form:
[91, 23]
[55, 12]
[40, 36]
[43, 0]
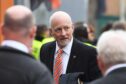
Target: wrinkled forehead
[60, 18]
[61, 21]
[62, 26]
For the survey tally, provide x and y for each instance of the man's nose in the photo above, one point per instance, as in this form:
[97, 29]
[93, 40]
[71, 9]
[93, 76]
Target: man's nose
[63, 32]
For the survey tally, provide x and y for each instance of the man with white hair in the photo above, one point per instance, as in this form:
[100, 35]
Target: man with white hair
[17, 66]
[74, 56]
[111, 58]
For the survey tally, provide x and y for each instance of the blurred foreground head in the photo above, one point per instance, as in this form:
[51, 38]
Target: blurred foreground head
[19, 25]
[111, 49]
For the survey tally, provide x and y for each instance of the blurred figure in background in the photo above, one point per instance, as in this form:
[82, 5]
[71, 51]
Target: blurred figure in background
[91, 34]
[42, 32]
[81, 33]
[107, 27]
[42, 37]
[17, 66]
[111, 57]
[119, 25]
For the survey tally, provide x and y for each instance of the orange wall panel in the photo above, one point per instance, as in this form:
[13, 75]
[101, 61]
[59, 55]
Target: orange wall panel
[113, 7]
[4, 4]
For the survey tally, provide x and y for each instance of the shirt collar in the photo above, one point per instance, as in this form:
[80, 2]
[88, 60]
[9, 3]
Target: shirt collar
[15, 44]
[114, 67]
[67, 48]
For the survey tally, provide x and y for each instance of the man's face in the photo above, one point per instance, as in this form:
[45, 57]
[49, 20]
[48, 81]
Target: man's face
[62, 31]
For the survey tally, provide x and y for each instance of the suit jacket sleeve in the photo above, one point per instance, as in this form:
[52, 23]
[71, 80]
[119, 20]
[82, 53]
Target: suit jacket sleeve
[44, 53]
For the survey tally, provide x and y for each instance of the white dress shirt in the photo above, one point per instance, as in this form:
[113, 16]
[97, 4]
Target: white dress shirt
[65, 55]
[15, 44]
[113, 68]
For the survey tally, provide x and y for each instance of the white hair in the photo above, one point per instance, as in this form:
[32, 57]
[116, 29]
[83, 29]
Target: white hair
[59, 14]
[111, 47]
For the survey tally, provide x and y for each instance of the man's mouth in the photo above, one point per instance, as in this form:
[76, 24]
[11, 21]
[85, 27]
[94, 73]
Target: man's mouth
[64, 39]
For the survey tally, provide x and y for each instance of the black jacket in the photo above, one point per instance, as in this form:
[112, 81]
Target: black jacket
[17, 67]
[117, 76]
[82, 59]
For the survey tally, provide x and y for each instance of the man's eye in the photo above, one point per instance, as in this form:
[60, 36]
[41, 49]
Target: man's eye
[58, 30]
[66, 28]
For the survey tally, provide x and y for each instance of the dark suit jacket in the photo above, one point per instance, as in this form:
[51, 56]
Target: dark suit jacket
[82, 59]
[17, 67]
[117, 76]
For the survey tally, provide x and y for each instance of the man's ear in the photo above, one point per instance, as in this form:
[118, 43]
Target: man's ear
[73, 27]
[33, 31]
[101, 64]
[2, 29]
[51, 31]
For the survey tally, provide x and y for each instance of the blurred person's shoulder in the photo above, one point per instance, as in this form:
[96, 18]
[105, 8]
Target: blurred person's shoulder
[83, 45]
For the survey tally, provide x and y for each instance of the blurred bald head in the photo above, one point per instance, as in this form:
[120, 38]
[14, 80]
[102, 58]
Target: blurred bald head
[17, 17]
[19, 25]
[60, 16]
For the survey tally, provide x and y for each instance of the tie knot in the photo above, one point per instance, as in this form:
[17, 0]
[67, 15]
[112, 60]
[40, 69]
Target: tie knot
[60, 51]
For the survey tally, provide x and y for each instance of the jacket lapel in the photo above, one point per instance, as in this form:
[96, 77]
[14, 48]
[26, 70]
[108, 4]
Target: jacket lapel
[73, 57]
[51, 55]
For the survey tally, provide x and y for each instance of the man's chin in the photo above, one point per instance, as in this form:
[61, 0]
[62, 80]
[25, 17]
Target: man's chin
[64, 43]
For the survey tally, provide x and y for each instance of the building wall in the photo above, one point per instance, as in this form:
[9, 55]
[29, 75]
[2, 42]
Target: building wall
[112, 7]
[4, 4]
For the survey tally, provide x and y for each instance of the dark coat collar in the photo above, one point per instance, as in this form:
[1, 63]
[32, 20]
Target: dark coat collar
[13, 50]
[116, 71]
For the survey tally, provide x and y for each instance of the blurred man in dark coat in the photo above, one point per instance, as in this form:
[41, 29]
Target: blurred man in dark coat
[17, 66]
[111, 49]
